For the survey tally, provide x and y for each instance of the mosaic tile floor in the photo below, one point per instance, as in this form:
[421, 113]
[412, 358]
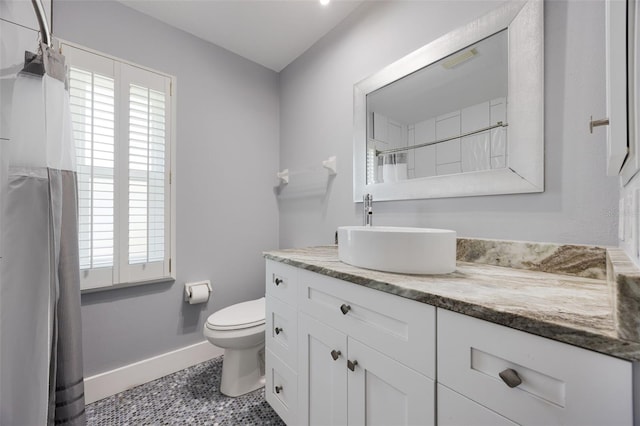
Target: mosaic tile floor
[188, 397]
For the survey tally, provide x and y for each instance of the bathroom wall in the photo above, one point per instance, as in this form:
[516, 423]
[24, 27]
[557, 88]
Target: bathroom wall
[316, 108]
[227, 154]
[228, 105]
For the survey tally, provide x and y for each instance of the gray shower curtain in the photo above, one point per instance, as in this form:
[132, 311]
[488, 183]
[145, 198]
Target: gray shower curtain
[41, 377]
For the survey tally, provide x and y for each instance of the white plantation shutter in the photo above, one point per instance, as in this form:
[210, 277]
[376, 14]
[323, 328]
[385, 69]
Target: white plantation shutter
[145, 96]
[92, 99]
[146, 174]
[93, 114]
[122, 127]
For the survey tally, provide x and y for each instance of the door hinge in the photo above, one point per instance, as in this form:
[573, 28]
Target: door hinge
[171, 88]
[169, 265]
[170, 178]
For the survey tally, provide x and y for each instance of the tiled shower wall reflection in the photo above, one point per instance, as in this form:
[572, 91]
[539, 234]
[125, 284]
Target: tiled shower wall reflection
[482, 151]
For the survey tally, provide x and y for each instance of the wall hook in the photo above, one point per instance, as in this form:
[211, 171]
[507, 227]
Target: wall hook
[330, 165]
[283, 176]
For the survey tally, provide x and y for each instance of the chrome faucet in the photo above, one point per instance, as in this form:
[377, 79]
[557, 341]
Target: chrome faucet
[367, 206]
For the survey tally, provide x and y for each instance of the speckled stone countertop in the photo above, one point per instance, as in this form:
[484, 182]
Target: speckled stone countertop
[567, 308]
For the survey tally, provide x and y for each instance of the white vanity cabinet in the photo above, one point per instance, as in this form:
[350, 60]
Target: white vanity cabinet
[363, 356]
[338, 353]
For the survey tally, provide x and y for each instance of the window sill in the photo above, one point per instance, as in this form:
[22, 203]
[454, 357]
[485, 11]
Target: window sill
[126, 285]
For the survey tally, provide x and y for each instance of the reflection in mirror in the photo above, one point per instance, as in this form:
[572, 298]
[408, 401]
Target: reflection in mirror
[434, 123]
[446, 118]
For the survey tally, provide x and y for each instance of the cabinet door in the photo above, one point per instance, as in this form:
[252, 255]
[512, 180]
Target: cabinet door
[322, 379]
[616, 38]
[381, 391]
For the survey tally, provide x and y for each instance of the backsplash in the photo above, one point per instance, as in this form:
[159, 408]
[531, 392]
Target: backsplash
[628, 219]
[623, 279]
[567, 259]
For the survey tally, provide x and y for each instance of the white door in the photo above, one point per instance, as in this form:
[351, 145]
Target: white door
[384, 392]
[617, 86]
[322, 377]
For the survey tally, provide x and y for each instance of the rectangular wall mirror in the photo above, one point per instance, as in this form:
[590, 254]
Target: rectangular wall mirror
[461, 116]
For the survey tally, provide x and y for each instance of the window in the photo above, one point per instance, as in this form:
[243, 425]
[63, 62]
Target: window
[122, 125]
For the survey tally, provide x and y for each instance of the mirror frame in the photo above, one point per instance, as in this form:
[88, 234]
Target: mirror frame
[524, 171]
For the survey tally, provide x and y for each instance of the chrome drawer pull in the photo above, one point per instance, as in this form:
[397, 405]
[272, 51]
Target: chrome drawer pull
[345, 308]
[278, 330]
[335, 354]
[278, 281]
[351, 365]
[278, 389]
[510, 377]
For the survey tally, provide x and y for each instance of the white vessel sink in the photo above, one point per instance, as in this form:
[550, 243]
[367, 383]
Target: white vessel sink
[397, 249]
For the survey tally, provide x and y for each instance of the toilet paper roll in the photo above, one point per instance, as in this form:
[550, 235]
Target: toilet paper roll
[199, 294]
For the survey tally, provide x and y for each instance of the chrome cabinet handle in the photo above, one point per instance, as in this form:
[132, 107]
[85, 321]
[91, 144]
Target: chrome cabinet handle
[278, 330]
[278, 281]
[510, 377]
[351, 365]
[345, 308]
[278, 389]
[335, 354]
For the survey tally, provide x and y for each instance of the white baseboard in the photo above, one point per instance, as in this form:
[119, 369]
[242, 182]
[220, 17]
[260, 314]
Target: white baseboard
[115, 381]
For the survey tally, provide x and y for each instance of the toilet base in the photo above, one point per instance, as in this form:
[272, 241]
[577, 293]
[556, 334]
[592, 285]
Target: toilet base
[242, 370]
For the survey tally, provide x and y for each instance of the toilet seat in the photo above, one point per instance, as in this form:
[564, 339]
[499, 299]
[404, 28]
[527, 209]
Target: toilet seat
[240, 316]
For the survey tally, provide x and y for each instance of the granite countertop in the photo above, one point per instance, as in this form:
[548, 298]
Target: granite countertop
[567, 308]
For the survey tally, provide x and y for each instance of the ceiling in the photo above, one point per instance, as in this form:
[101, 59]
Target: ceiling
[270, 32]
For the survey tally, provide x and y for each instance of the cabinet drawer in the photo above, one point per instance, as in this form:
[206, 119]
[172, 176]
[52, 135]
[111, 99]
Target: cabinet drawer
[456, 410]
[401, 328]
[282, 281]
[282, 331]
[281, 388]
[561, 384]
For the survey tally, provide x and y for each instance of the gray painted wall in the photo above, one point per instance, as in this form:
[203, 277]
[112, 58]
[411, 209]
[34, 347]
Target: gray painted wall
[227, 154]
[579, 203]
[227, 105]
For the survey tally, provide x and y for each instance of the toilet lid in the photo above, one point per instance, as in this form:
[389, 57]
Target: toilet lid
[241, 315]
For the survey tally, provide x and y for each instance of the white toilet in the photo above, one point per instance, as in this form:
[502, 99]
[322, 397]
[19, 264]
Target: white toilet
[239, 329]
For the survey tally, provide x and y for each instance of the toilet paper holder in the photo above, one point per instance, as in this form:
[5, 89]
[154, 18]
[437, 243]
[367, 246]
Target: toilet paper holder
[188, 288]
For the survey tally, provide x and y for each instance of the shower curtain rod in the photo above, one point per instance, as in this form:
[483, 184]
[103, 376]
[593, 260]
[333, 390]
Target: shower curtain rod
[406, 148]
[42, 22]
